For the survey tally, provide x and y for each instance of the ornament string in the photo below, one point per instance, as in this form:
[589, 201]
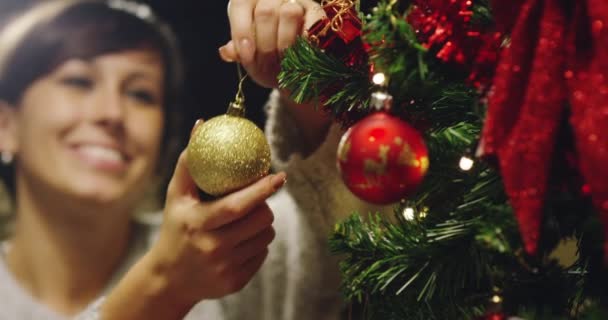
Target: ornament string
[237, 107]
[240, 94]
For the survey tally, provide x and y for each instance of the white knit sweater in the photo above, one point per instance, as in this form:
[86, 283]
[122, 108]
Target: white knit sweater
[300, 279]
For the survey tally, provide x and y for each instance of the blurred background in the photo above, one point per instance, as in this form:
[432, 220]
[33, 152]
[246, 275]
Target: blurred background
[202, 27]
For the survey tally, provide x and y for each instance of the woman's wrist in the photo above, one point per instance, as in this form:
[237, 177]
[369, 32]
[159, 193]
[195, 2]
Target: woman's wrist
[146, 292]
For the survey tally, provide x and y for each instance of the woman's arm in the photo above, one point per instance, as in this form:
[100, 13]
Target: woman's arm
[205, 250]
[143, 294]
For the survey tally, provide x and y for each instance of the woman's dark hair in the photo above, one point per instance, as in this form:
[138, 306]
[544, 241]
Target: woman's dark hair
[52, 32]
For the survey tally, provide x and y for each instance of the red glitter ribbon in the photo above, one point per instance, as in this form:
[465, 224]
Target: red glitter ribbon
[558, 56]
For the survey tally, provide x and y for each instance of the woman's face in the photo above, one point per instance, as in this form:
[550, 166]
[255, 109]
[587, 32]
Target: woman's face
[92, 129]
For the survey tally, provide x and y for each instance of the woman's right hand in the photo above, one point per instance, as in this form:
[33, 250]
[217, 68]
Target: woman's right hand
[205, 250]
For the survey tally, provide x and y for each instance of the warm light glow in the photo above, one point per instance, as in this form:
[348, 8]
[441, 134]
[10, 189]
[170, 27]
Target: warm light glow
[423, 212]
[466, 163]
[408, 214]
[496, 299]
[379, 78]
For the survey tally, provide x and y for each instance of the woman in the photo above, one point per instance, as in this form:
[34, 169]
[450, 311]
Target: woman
[88, 91]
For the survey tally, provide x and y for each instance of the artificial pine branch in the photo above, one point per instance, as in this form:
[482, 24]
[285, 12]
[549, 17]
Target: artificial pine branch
[308, 73]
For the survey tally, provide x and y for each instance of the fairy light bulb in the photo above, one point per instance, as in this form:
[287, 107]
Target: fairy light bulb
[408, 214]
[423, 213]
[379, 79]
[466, 163]
[496, 298]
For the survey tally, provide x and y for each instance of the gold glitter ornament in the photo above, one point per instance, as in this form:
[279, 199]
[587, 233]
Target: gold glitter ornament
[227, 152]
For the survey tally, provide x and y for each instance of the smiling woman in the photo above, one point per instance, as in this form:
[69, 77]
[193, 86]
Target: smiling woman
[32, 51]
[89, 114]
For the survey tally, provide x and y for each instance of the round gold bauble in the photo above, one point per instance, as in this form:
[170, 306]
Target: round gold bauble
[227, 153]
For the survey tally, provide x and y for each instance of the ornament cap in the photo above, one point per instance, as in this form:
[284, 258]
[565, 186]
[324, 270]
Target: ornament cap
[236, 108]
[381, 101]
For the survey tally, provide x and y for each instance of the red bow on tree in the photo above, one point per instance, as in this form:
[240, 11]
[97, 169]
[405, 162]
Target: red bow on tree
[557, 59]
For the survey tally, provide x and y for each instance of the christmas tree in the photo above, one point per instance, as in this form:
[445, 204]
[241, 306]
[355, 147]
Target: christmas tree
[510, 100]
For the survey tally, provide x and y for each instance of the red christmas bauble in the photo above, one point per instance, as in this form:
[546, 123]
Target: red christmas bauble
[382, 159]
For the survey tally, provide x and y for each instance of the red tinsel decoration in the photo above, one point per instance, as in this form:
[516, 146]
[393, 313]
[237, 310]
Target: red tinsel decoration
[445, 26]
[558, 56]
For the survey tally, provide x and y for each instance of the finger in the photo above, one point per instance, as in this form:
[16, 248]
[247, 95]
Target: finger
[253, 247]
[266, 20]
[266, 69]
[236, 257]
[246, 228]
[247, 270]
[196, 124]
[228, 52]
[181, 183]
[313, 13]
[238, 204]
[251, 266]
[240, 14]
[291, 18]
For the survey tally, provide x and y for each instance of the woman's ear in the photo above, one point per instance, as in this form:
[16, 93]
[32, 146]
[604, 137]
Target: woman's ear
[8, 130]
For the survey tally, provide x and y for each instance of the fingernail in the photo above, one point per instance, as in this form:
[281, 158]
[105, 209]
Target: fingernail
[278, 180]
[223, 55]
[246, 50]
[196, 124]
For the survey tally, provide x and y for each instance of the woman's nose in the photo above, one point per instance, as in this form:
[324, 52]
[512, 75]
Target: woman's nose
[109, 106]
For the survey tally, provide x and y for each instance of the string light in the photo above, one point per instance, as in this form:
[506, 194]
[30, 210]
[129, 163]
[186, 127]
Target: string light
[423, 213]
[379, 78]
[411, 214]
[496, 298]
[466, 163]
[408, 214]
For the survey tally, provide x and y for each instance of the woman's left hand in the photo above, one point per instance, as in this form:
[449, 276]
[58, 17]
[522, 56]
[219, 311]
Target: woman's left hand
[262, 29]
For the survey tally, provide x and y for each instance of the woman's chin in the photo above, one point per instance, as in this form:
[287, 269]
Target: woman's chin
[103, 193]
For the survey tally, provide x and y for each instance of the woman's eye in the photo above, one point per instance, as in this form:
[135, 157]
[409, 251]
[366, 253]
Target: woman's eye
[78, 82]
[143, 96]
